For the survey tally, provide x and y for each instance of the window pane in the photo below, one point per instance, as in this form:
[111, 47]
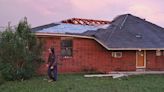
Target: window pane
[66, 47]
[63, 52]
[66, 52]
[66, 43]
[69, 51]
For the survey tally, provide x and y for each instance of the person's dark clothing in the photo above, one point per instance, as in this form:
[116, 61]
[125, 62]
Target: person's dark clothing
[52, 73]
[51, 59]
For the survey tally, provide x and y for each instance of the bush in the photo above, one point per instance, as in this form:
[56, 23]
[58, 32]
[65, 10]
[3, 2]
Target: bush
[1, 79]
[20, 52]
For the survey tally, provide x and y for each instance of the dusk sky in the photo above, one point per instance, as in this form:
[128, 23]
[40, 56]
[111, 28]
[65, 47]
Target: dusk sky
[40, 12]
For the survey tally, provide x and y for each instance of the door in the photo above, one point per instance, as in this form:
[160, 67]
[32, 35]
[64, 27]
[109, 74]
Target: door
[140, 59]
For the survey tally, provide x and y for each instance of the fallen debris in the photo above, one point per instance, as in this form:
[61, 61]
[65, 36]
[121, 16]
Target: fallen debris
[138, 72]
[98, 75]
[115, 75]
[118, 76]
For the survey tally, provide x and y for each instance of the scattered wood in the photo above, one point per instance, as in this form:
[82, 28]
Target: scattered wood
[115, 75]
[118, 76]
[138, 72]
[98, 75]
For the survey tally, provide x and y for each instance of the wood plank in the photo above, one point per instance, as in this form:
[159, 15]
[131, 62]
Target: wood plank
[114, 76]
[123, 74]
[99, 75]
[119, 76]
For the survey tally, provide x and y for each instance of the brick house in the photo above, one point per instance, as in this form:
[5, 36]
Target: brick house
[127, 43]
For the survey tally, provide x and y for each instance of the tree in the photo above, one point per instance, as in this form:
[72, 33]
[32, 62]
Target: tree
[20, 52]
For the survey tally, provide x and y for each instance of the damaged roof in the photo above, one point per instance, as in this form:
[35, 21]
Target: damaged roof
[130, 32]
[72, 26]
[67, 28]
[125, 32]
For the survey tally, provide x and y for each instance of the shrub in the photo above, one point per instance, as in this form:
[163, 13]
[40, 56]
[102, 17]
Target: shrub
[1, 79]
[20, 52]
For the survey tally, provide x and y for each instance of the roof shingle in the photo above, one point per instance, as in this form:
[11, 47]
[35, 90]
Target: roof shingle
[128, 31]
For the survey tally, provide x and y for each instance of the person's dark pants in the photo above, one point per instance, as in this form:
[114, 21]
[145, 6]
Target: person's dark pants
[52, 73]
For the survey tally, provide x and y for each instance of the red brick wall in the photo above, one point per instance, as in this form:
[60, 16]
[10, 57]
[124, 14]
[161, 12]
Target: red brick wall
[126, 63]
[88, 55]
[154, 62]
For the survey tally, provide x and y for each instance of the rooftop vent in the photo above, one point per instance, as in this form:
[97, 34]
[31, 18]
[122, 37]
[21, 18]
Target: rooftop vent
[138, 36]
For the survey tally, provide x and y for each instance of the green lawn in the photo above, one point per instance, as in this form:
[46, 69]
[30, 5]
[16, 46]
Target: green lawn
[77, 83]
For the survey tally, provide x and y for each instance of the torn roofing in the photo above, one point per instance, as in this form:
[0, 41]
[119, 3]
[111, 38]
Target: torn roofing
[128, 31]
[43, 27]
[67, 28]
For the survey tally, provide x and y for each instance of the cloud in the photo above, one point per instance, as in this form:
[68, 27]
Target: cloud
[40, 12]
[89, 5]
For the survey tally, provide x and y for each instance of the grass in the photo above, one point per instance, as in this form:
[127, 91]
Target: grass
[77, 83]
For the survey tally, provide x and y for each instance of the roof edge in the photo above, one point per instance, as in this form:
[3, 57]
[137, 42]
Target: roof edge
[61, 34]
[69, 35]
[89, 37]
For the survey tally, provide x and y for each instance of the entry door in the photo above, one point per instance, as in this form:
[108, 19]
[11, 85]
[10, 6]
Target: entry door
[140, 59]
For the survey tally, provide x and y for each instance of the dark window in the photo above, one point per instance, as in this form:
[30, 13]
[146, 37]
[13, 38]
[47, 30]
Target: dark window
[66, 48]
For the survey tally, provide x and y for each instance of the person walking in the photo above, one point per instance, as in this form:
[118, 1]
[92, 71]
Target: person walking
[52, 65]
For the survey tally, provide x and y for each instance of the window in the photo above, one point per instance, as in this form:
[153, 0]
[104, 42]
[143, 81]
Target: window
[117, 54]
[66, 48]
[158, 53]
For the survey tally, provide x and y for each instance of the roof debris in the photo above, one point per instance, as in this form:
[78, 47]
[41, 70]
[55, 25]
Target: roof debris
[81, 21]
